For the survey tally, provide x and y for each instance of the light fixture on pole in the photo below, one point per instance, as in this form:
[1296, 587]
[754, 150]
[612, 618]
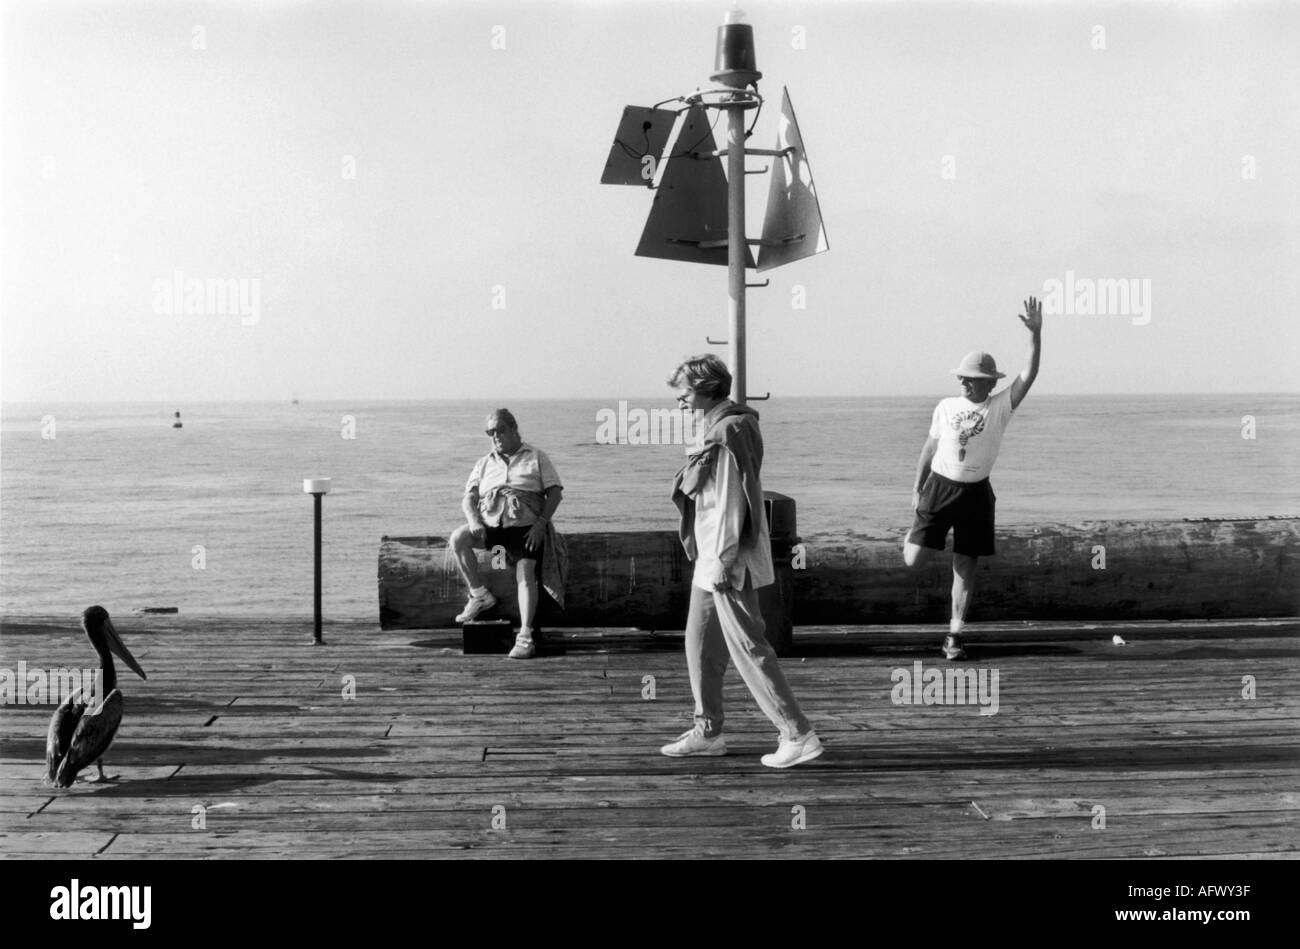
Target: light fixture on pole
[734, 61]
[698, 216]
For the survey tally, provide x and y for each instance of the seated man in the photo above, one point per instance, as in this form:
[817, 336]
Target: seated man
[509, 499]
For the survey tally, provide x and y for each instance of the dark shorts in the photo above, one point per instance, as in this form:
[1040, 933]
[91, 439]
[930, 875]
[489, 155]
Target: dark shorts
[512, 539]
[965, 508]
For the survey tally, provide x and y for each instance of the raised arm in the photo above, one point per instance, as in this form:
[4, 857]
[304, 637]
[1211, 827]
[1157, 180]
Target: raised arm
[1033, 320]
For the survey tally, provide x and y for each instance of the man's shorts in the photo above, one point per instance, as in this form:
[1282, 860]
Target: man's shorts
[512, 539]
[965, 508]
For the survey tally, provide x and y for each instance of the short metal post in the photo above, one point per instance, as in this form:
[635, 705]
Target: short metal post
[317, 488]
[317, 496]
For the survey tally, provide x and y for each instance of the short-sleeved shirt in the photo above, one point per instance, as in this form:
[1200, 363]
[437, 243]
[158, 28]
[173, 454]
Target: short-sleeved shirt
[969, 435]
[527, 469]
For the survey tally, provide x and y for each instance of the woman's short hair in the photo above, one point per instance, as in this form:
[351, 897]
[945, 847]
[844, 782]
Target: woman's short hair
[707, 375]
[502, 415]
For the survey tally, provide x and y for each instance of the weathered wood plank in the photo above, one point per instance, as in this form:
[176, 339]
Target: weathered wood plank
[952, 832]
[722, 805]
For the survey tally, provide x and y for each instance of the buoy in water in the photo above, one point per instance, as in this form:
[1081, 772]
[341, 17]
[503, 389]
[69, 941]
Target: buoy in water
[177, 423]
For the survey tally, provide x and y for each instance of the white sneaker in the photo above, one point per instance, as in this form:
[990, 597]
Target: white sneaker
[523, 648]
[693, 742]
[476, 605]
[790, 753]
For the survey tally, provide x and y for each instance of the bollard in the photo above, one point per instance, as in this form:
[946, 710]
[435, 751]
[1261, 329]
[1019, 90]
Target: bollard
[317, 488]
[776, 601]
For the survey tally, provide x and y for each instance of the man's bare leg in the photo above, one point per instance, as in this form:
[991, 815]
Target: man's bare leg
[526, 574]
[963, 584]
[914, 555]
[462, 545]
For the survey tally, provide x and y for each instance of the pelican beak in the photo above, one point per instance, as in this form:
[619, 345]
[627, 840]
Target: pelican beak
[118, 648]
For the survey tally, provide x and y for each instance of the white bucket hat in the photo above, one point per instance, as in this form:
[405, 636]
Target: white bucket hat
[978, 365]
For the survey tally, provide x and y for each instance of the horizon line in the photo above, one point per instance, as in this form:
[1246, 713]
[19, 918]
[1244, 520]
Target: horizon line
[599, 398]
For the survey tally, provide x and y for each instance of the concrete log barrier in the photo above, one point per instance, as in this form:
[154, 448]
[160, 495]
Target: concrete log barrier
[616, 578]
[1133, 570]
[1103, 570]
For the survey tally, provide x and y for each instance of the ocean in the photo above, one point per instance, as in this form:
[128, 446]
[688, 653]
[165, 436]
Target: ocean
[109, 504]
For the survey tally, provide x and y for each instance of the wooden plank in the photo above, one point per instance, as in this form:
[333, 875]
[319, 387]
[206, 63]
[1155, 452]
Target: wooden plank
[882, 784]
[844, 806]
[949, 832]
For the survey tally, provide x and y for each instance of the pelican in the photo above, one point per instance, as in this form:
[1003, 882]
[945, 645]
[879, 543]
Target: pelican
[80, 734]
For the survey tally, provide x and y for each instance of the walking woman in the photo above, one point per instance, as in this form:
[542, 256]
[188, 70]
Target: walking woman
[724, 530]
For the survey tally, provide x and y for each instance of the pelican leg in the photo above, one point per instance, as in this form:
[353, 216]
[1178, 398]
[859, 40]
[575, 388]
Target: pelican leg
[99, 764]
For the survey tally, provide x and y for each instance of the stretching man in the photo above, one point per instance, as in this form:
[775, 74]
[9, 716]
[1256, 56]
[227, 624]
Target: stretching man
[724, 530]
[510, 497]
[952, 489]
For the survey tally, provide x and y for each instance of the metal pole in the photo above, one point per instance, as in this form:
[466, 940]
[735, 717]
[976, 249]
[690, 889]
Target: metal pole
[317, 496]
[736, 247]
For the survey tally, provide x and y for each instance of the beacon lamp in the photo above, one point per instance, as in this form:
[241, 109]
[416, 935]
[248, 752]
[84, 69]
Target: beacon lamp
[734, 63]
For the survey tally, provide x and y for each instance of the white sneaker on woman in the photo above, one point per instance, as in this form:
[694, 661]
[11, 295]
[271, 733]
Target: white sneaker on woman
[693, 742]
[790, 753]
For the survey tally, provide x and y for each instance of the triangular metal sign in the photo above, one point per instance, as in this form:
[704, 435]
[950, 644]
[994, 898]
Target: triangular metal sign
[690, 205]
[792, 226]
[638, 143]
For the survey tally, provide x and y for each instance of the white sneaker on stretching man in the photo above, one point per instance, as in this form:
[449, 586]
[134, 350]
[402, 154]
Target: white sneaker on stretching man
[954, 650]
[480, 599]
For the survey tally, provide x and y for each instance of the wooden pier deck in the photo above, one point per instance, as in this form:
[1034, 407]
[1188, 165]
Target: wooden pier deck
[242, 744]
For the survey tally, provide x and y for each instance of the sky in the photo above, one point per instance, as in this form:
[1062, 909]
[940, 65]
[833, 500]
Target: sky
[408, 196]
